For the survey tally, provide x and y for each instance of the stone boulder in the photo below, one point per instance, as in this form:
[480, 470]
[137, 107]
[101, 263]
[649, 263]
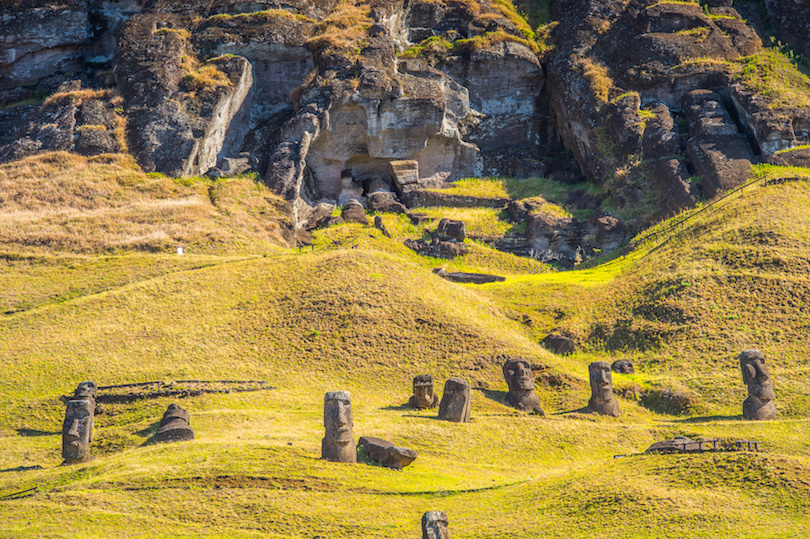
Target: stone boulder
[386, 453]
[623, 366]
[450, 229]
[384, 202]
[559, 344]
[175, 426]
[437, 248]
[353, 212]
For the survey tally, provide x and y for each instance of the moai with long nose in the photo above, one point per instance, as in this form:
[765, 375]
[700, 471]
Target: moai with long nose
[434, 525]
[760, 402]
[519, 379]
[603, 401]
[338, 444]
[77, 429]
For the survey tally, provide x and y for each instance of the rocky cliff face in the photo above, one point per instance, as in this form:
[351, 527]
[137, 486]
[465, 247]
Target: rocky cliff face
[369, 100]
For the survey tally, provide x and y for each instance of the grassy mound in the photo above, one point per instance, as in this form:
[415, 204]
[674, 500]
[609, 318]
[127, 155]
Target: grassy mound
[359, 311]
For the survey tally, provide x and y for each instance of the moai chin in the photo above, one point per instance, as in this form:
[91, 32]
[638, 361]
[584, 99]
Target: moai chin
[175, 426]
[434, 525]
[519, 378]
[760, 402]
[423, 396]
[338, 444]
[455, 404]
[603, 401]
[77, 431]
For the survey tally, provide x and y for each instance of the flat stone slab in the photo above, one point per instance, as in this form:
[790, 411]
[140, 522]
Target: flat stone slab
[386, 453]
[464, 277]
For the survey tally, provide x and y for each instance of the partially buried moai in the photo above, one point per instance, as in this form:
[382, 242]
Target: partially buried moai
[759, 404]
[455, 404]
[434, 525]
[423, 395]
[338, 444]
[175, 426]
[603, 401]
[77, 430]
[519, 378]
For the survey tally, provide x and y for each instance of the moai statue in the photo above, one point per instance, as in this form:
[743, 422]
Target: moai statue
[603, 401]
[175, 425]
[423, 395]
[434, 525]
[759, 404]
[89, 390]
[455, 404]
[77, 431]
[518, 374]
[338, 444]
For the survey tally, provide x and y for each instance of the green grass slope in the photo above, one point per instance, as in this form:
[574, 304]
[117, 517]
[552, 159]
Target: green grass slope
[359, 311]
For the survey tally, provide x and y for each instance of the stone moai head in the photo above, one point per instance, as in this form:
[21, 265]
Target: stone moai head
[175, 426]
[455, 404]
[434, 525]
[759, 404]
[338, 444]
[77, 431]
[603, 401]
[86, 390]
[519, 378]
[423, 395]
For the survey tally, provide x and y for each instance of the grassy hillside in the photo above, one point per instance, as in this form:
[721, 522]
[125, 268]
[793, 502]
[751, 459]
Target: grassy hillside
[359, 311]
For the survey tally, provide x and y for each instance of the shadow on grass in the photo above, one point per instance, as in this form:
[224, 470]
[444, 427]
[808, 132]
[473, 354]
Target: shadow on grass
[497, 396]
[22, 469]
[398, 407]
[148, 433]
[34, 432]
[708, 419]
[583, 410]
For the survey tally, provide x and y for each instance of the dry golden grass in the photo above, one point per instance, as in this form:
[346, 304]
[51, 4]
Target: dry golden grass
[340, 31]
[66, 202]
[598, 77]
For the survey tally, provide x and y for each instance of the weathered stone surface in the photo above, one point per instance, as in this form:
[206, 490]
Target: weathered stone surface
[437, 248]
[791, 18]
[337, 444]
[775, 128]
[760, 402]
[434, 525]
[559, 344]
[353, 212]
[423, 396]
[623, 366]
[455, 403]
[603, 401]
[678, 444]
[77, 430]
[385, 202]
[386, 453]
[519, 379]
[464, 277]
[450, 229]
[799, 157]
[174, 425]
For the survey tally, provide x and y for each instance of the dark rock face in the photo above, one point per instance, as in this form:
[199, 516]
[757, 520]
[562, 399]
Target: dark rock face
[450, 229]
[791, 18]
[175, 425]
[77, 430]
[559, 344]
[434, 525]
[337, 444]
[603, 401]
[381, 201]
[518, 375]
[386, 453]
[623, 366]
[455, 403]
[423, 396]
[799, 157]
[760, 402]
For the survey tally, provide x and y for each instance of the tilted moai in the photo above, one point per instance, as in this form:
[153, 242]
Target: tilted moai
[759, 404]
[77, 430]
[455, 404]
[423, 396]
[603, 401]
[338, 444]
[175, 426]
[434, 525]
[519, 378]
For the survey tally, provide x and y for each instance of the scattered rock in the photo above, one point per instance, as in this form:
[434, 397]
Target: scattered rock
[623, 366]
[450, 229]
[559, 344]
[384, 202]
[378, 224]
[353, 212]
[437, 248]
[386, 453]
